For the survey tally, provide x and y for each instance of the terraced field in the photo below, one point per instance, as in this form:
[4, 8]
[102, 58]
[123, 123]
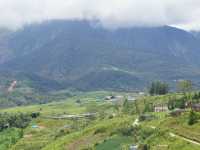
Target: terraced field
[103, 125]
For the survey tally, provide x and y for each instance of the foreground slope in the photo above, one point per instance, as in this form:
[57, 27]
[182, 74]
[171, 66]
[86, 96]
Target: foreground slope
[59, 126]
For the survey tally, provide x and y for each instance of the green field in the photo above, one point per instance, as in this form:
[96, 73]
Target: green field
[111, 128]
[115, 143]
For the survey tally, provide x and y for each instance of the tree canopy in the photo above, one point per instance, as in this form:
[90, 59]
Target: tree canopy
[158, 88]
[184, 86]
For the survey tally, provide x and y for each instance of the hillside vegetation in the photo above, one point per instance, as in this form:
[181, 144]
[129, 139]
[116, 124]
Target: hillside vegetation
[84, 56]
[90, 121]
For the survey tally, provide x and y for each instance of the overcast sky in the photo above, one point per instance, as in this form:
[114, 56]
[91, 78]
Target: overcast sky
[111, 13]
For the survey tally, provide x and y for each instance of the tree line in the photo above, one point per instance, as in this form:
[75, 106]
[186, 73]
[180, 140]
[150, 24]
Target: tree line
[161, 88]
[17, 120]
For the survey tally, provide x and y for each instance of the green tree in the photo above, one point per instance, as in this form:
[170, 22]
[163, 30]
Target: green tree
[171, 104]
[137, 107]
[158, 88]
[192, 118]
[125, 108]
[184, 86]
[148, 107]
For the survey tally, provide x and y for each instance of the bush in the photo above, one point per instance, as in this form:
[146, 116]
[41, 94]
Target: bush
[35, 114]
[193, 118]
[144, 147]
[144, 117]
[100, 130]
[126, 131]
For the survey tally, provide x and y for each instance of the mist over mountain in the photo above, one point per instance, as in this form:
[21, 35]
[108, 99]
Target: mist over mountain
[86, 56]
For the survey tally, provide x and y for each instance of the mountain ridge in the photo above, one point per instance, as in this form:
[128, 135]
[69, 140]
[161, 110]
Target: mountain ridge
[75, 54]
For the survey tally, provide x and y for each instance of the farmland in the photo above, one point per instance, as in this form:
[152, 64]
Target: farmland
[104, 124]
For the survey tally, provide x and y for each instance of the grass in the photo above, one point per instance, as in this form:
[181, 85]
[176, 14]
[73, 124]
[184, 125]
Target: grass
[103, 128]
[162, 140]
[179, 125]
[115, 143]
[9, 137]
[54, 134]
[103, 132]
[164, 125]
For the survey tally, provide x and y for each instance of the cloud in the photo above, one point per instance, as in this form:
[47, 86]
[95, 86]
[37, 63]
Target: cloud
[111, 13]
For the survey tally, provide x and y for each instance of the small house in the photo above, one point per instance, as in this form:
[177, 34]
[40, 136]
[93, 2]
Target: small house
[141, 93]
[161, 108]
[133, 147]
[130, 98]
[177, 112]
[110, 97]
[188, 104]
[196, 107]
[115, 99]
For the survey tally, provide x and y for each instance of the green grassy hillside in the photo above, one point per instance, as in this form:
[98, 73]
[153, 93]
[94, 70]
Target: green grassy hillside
[64, 125]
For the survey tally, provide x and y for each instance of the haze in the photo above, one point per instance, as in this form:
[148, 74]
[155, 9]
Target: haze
[112, 14]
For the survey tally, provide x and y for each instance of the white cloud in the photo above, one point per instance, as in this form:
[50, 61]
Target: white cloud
[111, 13]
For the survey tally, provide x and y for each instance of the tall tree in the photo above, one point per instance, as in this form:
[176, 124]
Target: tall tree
[184, 86]
[158, 88]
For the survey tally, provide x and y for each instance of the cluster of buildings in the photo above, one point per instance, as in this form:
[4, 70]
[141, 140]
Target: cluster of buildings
[161, 108]
[177, 111]
[78, 116]
[164, 107]
[156, 108]
[119, 97]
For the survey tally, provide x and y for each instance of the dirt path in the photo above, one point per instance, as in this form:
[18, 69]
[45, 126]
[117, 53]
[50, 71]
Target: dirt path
[180, 137]
[183, 138]
[136, 122]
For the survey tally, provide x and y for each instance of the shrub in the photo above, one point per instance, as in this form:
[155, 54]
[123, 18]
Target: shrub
[193, 118]
[144, 147]
[100, 130]
[35, 114]
[126, 131]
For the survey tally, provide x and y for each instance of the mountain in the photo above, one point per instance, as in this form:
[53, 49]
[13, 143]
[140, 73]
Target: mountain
[86, 56]
[5, 53]
[196, 34]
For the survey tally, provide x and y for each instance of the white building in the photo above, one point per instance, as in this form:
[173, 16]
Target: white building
[133, 147]
[161, 108]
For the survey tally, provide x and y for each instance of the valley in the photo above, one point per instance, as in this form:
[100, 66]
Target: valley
[71, 85]
[99, 75]
[105, 123]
